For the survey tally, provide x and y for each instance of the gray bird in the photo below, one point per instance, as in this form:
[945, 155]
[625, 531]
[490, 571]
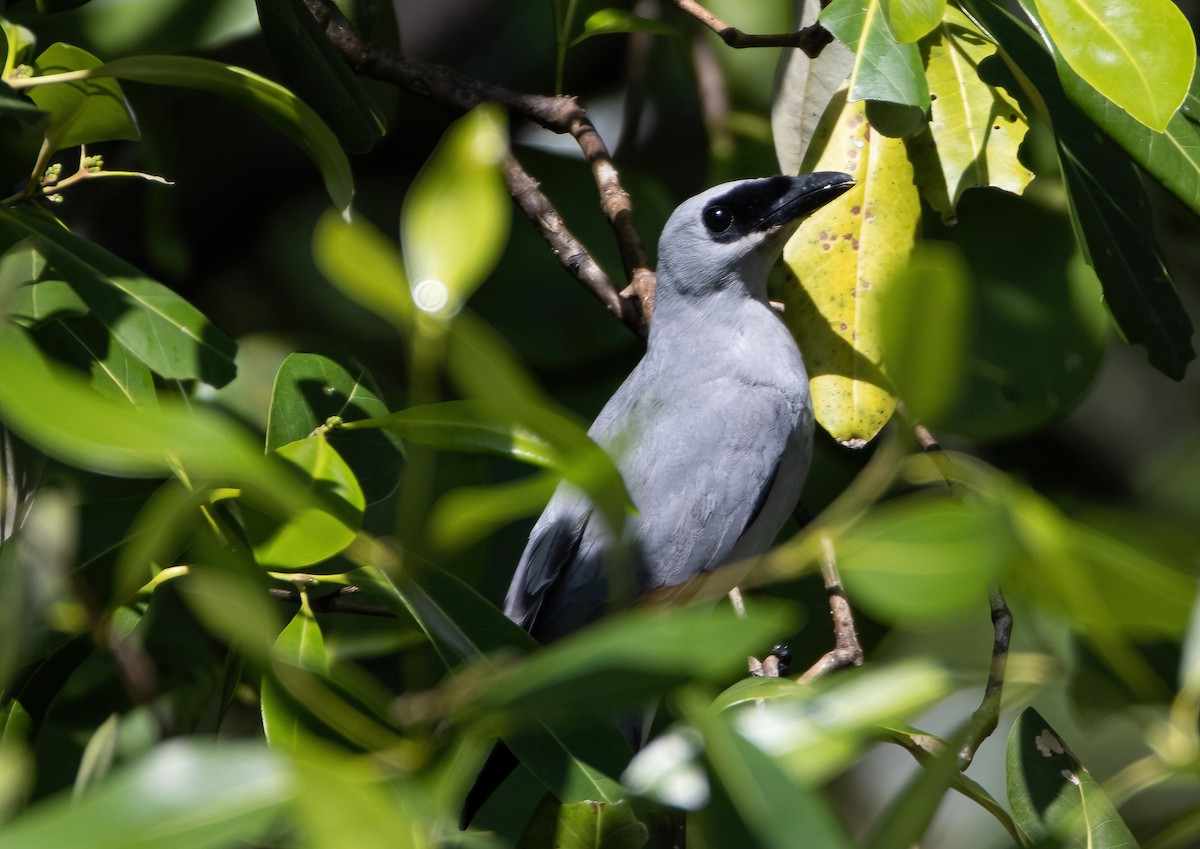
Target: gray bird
[712, 431]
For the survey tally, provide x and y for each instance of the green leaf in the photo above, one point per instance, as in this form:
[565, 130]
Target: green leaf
[316, 533]
[266, 99]
[98, 755]
[975, 129]
[926, 323]
[20, 265]
[884, 69]
[299, 644]
[313, 68]
[358, 259]
[626, 660]
[909, 20]
[1052, 795]
[44, 301]
[465, 515]
[923, 557]
[84, 111]
[584, 825]
[771, 804]
[455, 219]
[1109, 208]
[309, 389]
[608, 21]
[84, 343]
[189, 794]
[1140, 54]
[150, 321]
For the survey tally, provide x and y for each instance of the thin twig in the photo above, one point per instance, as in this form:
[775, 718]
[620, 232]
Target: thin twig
[559, 114]
[811, 39]
[342, 600]
[847, 650]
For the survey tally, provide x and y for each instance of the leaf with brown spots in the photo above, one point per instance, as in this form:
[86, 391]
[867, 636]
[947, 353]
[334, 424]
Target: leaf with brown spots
[842, 257]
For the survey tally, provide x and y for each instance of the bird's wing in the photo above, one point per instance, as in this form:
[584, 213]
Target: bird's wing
[702, 469]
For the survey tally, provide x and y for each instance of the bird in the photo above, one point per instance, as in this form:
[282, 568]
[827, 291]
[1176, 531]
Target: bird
[712, 431]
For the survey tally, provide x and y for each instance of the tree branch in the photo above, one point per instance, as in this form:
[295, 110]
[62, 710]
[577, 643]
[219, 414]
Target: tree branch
[846, 651]
[559, 114]
[811, 39]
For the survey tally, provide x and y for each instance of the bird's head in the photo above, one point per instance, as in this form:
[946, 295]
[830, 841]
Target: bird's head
[734, 232]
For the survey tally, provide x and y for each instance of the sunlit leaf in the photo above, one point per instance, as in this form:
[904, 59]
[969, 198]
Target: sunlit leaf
[309, 389]
[45, 300]
[83, 111]
[317, 533]
[466, 515]
[1052, 795]
[842, 257]
[98, 755]
[607, 21]
[191, 794]
[299, 644]
[910, 19]
[150, 321]
[85, 343]
[884, 69]
[975, 128]
[455, 218]
[1140, 54]
[365, 265]
[584, 825]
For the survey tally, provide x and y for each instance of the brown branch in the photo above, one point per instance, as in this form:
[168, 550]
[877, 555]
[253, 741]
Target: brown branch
[343, 600]
[847, 650]
[559, 114]
[811, 39]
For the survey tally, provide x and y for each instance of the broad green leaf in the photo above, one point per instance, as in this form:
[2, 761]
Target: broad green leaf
[84, 111]
[884, 69]
[975, 129]
[313, 68]
[926, 319]
[584, 825]
[608, 21]
[150, 321]
[308, 390]
[44, 301]
[774, 806]
[842, 257]
[464, 516]
[20, 265]
[1109, 208]
[267, 99]
[455, 218]
[84, 343]
[625, 660]
[358, 259]
[909, 20]
[1052, 795]
[18, 108]
[188, 794]
[923, 557]
[804, 87]
[318, 532]
[299, 644]
[1140, 54]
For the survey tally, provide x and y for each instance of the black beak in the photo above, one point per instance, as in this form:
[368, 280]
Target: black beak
[801, 195]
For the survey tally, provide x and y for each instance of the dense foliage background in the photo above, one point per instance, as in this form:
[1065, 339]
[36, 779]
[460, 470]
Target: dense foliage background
[280, 401]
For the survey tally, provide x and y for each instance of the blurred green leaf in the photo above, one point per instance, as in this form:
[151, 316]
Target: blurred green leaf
[456, 214]
[308, 390]
[772, 805]
[312, 67]
[626, 660]
[1140, 54]
[607, 21]
[316, 533]
[907, 817]
[150, 321]
[189, 794]
[909, 20]
[1052, 795]
[83, 111]
[924, 557]
[18, 41]
[926, 324]
[1109, 209]
[584, 825]
[884, 69]
[465, 515]
[98, 756]
[302, 644]
[367, 266]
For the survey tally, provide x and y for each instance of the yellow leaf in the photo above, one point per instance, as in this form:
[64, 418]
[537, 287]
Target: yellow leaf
[974, 130]
[842, 257]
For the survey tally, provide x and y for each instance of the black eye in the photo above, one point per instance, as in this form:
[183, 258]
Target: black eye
[717, 219]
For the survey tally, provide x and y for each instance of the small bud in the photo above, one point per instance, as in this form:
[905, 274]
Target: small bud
[22, 72]
[51, 175]
[93, 164]
[54, 198]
